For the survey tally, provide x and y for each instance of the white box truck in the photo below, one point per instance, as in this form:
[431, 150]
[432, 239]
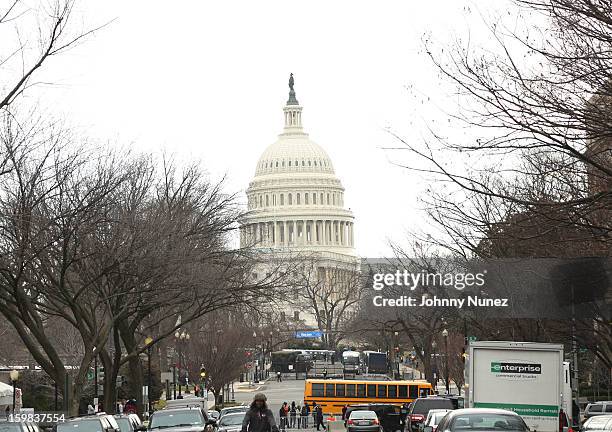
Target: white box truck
[525, 377]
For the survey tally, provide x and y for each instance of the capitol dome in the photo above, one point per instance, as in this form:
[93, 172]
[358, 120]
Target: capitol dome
[295, 200]
[294, 153]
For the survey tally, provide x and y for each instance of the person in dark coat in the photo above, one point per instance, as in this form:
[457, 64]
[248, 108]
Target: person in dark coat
[292, 415]
[259, 417]
[304, 416]
[319, 418]
[344, 408]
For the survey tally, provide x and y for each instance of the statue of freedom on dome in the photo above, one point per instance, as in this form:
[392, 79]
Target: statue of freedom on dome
[291, 81]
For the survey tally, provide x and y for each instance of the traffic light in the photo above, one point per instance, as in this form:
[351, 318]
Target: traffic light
[203, 373]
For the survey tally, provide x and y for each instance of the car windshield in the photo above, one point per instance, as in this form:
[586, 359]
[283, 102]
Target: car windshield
[486, 421]
[423, 406]
[363, 415]
[436, 417]
[124, 424]
[93, 425]
[161, 419]
[231, 420]
[10, 427]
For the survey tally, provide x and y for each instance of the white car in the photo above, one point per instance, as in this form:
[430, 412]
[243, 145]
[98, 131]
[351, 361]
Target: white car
[433, 418]
[232, 410]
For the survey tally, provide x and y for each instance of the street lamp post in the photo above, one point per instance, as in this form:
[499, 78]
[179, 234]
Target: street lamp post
[445, 336]
[181, 337]
[95, 377]
[14, 375]
[396, 356]
[256, 360]
[148, 342]
[434, 363]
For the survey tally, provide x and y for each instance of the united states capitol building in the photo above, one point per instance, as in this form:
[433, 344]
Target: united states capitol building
[296, 206]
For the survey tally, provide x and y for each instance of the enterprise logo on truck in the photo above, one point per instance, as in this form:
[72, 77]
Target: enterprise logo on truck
[516, 368]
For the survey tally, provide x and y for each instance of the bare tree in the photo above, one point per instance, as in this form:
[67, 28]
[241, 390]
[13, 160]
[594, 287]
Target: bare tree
[218, 344]
[533, 177]
[331, 293]
[33, 34]
[419, 326]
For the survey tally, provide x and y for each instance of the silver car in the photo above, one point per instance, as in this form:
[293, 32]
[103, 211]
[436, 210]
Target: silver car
[481, 420]
[230, 422]
[600, 423]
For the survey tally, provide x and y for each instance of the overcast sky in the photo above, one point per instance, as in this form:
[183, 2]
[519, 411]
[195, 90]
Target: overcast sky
[207, 80]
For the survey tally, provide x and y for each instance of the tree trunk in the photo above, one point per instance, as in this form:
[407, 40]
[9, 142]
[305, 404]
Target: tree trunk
[135, 382]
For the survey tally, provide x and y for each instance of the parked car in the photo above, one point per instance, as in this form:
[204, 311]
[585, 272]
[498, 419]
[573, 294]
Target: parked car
[420, 408]
[129, 423]
[480, 419]
[433, 418]
[363, 421]
[110, 419]
[189, 419]
[231, 422]
[388, 414]
[6, 426]
[598, 423]
[231, 410]
[598, 408]
[93, 423]
[191, 403]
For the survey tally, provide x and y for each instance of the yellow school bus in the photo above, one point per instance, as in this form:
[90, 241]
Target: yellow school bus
[333, 394]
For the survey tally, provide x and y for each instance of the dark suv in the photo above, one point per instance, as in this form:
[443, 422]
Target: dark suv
[420, 407]
[388, 415]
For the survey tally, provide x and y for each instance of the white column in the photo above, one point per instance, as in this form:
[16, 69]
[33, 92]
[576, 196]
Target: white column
[325, 238]
[270, 226]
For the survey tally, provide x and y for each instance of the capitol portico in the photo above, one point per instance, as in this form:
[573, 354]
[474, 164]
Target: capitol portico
[295, 200]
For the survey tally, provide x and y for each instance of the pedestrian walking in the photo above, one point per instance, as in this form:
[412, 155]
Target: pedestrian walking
[259, 417]
[279, 377]
[344, 408]
[304, 415]
[292, 415]
[319, 417]
[7, 411]
[325, 373]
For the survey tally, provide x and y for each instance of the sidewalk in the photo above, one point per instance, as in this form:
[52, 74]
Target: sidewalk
[249, 386]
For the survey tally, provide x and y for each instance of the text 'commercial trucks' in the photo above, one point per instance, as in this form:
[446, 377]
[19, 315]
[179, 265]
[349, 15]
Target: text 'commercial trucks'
[525, 377]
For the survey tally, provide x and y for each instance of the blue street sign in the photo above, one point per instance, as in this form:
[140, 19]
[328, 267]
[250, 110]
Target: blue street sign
[310, 334]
